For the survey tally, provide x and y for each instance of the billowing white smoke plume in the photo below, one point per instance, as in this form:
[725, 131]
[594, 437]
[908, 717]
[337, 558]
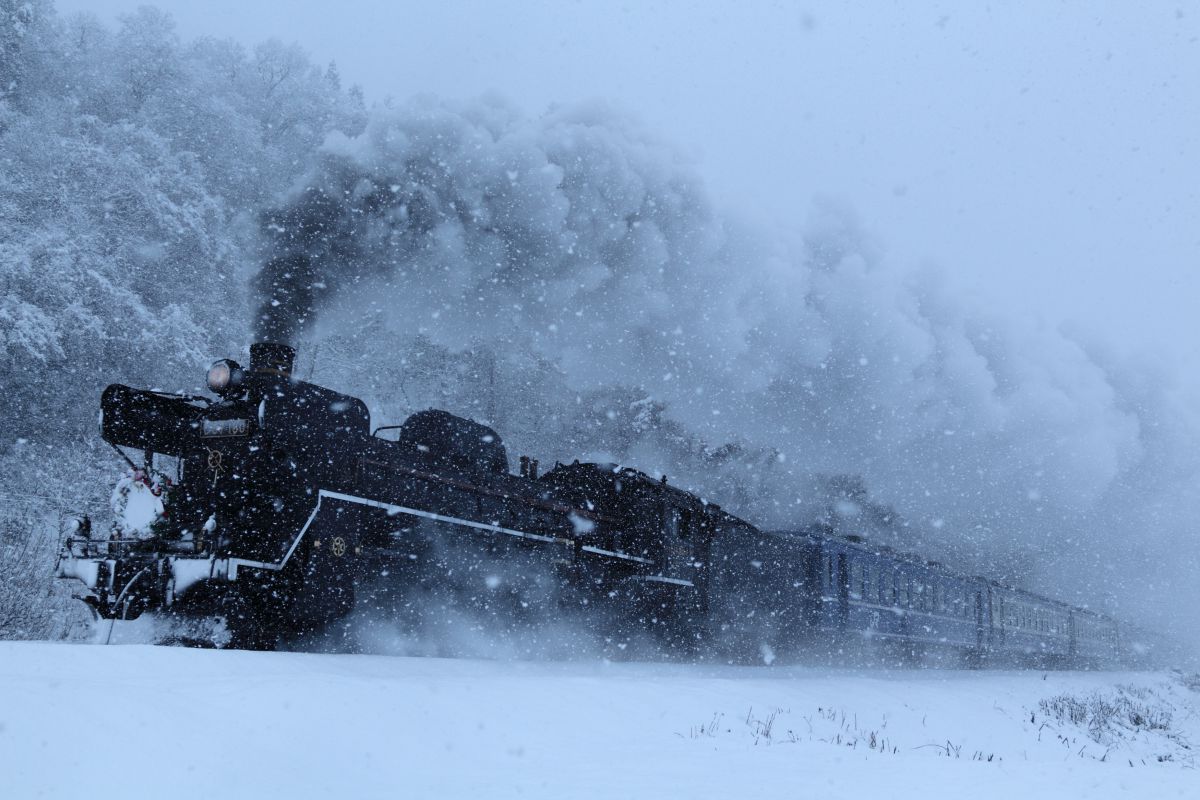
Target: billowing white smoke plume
[752, 367]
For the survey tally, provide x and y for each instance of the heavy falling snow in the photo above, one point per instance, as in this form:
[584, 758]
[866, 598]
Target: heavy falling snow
[567, 274]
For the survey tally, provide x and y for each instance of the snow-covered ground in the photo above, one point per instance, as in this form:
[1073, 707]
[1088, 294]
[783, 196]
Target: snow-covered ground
[140, 721]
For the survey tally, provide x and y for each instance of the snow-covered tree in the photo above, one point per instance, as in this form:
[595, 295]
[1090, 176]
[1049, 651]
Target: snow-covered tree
[131, 162]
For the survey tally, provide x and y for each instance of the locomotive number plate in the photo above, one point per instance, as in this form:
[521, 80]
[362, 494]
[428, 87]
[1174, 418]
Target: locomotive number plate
[224, 427]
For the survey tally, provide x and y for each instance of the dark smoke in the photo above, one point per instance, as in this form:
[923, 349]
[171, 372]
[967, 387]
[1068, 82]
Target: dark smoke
[322, 238]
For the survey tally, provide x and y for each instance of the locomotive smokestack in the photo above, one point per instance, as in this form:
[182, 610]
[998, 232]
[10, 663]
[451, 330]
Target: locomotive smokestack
[272, 358]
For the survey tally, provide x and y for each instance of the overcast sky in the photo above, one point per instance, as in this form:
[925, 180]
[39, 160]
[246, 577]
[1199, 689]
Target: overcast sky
[1044, 157]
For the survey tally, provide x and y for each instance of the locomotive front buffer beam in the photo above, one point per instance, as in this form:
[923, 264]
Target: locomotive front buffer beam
[124, 585]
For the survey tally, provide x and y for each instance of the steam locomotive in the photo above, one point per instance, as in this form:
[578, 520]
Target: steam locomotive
[287, 510]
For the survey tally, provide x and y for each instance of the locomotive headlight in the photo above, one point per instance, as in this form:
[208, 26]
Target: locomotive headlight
[225, 377]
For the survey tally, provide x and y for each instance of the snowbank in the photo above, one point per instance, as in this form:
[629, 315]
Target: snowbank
[127, 721]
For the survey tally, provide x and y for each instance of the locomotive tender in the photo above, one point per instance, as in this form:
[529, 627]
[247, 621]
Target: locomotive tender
[287, 509]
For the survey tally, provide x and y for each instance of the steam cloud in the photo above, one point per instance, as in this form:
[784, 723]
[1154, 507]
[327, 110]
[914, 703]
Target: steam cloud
[1013, 448]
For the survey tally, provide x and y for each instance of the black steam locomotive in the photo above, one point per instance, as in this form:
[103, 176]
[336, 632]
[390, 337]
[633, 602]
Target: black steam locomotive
[286, 510]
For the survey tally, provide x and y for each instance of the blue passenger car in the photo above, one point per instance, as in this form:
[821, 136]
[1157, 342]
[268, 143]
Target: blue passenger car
[1093, 638]
[876, 595]
[810, 594]
[1027, 628]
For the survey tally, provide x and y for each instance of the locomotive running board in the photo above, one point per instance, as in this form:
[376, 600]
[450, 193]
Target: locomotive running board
[231, 565]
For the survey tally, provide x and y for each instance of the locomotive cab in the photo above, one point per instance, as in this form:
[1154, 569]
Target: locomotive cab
[648, 518]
